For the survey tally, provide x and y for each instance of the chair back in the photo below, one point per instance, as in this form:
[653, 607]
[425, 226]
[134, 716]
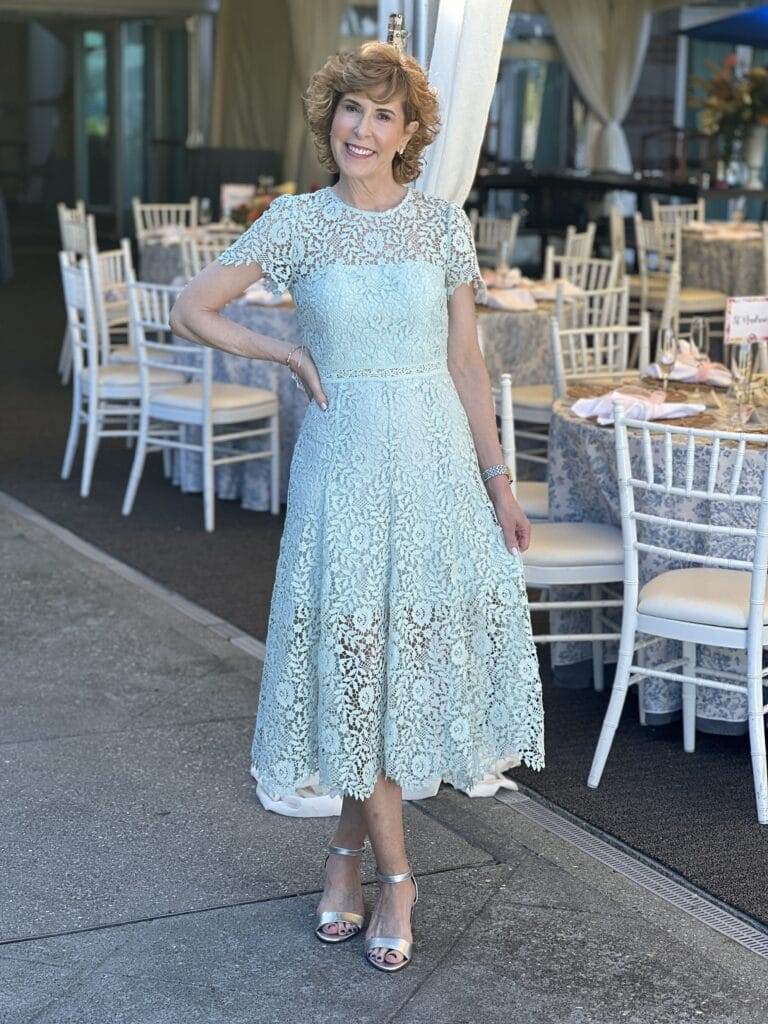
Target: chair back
[491, 232]
[154, 217]
[670, 219]
[589, 273]
[603, 351]
[111, 271]
[199, 249]
[78, 230]
[600, 307]
[149, 309]
[579, 243]
[679, 466]
[618, 233]
[81, 315]
[670, 312]
[655, 253]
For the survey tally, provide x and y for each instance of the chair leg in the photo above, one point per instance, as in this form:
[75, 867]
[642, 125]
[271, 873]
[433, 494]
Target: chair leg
[74, 433]
[274, 465]
[138, 465]
[208, 482]
[689, 698]
[65, 358]
[91, 448]
[618, 694]
[757, 729]
[598, 674]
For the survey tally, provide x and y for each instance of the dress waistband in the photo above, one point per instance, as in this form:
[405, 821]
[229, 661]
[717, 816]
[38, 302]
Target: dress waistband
[417, 370]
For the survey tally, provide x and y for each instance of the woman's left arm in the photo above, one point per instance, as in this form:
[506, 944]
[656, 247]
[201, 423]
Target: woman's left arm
[470, 376]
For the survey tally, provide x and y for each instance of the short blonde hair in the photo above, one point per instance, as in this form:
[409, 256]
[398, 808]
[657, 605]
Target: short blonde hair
[381, 69]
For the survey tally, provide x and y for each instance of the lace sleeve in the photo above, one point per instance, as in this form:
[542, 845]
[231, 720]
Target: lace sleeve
[268, 243]
[462, 266]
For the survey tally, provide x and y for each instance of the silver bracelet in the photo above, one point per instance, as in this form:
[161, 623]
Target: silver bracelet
[498, 470]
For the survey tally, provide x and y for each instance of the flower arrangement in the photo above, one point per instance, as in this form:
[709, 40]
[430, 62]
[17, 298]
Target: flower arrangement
[264, 194]
[733, 102]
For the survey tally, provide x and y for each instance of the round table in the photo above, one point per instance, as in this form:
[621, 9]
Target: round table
[583, 487]
[728, 263]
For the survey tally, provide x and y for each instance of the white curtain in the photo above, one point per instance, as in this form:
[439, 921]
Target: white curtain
[604, 44]
[314, 36]
[463, 69]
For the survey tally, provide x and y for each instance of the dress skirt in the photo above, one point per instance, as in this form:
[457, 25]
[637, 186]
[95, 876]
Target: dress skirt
[399, 636]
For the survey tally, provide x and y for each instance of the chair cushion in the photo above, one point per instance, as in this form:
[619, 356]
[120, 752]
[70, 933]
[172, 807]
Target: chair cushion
[535, 396]
[223, 396]
[563, 544]
[533, 497]
[702, 300]
[127, 375]
[710, 597]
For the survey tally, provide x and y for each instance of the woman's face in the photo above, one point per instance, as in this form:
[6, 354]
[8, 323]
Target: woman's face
[367, 133]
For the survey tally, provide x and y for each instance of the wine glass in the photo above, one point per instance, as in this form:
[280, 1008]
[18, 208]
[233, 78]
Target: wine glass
[743, 356]
[701, 343]
[666, 354]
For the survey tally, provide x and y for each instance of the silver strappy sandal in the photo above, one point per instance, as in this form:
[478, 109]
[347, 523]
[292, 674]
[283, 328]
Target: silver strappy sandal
[394, 944]
[339, 916]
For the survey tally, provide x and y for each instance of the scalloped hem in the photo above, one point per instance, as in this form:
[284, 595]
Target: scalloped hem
[535, 762]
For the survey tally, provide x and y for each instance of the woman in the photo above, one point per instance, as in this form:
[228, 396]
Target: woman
[399, 642]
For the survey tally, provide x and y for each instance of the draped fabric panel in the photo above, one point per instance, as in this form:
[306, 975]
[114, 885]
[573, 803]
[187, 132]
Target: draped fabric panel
[464, 68]
[315, 36]
[252, 75]
[604, 44]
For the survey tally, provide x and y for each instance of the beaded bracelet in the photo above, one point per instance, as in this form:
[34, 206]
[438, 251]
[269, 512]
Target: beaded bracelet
[497, 470]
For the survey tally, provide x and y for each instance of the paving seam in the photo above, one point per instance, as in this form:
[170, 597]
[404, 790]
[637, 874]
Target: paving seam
[642, 871]
[218, 627]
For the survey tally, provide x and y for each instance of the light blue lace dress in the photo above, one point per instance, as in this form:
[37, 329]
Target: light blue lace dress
[399, 636]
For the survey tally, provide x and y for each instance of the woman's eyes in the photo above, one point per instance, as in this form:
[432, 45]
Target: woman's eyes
[353, 110]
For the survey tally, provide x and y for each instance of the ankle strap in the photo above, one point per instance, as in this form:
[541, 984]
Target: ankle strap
[395, 878]
[347, 851]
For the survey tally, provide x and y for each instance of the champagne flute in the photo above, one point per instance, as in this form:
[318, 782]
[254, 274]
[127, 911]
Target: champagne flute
[666, 354]
[743, 355]
[701, 344]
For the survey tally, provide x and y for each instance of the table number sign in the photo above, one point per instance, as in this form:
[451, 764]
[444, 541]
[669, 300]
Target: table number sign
[233, 194]
[746, 320]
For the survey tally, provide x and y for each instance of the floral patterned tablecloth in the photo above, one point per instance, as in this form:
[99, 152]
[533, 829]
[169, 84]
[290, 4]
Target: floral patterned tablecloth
[730, 265]
[583, 487]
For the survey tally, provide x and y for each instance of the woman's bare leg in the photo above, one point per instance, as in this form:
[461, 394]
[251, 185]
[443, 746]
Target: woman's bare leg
[383, 814]
[343, 888]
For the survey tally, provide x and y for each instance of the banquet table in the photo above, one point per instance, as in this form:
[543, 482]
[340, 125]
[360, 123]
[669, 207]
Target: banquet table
[583, 487]
[159, 262]
[510, 341]
[730, 261]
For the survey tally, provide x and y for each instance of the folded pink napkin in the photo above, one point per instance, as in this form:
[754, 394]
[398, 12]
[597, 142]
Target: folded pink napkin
[638, 403]
[546, 291]
[512, 299]
[693, 368]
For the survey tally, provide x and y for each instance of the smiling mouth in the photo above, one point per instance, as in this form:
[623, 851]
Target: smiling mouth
[358, 151]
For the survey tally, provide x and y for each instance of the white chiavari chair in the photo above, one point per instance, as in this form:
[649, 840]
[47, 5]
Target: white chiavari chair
[596, 352]
[577, 245]
[533, 495]
[212, 406]
[670, 218]
[491, 232]
[587, 272]
[153, 218]
[101, 394]
[111, 271]
[721, 600]
[656, 255]
[78, 237]
[599, 307]
[198, 249]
